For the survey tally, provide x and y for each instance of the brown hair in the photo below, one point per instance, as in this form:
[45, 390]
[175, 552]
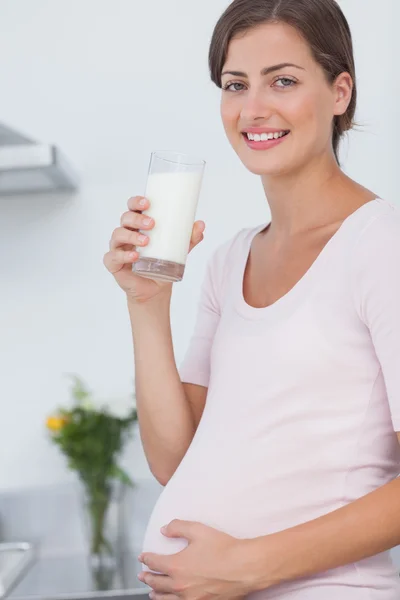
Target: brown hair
[320, 22]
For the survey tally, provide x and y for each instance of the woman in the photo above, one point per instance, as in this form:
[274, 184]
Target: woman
[277, 440]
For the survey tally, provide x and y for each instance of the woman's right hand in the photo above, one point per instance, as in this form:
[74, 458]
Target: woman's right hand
[125, 242]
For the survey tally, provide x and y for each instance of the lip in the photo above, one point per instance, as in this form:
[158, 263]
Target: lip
[265, 145]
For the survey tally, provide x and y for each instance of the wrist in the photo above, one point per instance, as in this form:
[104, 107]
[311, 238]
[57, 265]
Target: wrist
[150, 317]
[159, 302]
[261, 560]
[247, 565]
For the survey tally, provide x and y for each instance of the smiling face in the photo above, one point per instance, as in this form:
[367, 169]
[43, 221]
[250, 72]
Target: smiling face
[272, 87]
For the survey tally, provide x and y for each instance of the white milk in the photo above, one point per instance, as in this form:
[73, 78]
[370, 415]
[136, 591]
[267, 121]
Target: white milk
[173, 203]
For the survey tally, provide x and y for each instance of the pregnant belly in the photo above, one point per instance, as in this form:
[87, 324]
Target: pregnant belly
[224, 508]
[241, 507]
[242, 499]
[246, 495]
[222, 500]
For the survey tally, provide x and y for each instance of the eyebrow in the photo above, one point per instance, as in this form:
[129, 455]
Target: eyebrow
[265, 71]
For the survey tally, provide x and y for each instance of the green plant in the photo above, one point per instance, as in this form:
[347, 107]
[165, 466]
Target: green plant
[91, 435]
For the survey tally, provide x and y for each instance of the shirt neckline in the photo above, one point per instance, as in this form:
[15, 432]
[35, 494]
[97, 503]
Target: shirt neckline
[287, 303]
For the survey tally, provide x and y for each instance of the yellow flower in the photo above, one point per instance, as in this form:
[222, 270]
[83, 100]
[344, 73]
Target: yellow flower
[55, 423]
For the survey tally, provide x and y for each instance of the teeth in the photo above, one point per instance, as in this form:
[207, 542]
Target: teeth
[263, 137]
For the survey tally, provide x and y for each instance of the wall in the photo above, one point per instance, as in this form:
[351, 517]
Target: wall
[109, 81]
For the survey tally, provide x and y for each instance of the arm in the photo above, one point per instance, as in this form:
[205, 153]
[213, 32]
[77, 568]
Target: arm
[196, 396]
[168, 412]
[167, 421]
[171, 403]
[359, 530]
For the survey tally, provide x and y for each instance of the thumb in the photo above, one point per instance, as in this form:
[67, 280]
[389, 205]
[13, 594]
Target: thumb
[178, 529]
[197, 234]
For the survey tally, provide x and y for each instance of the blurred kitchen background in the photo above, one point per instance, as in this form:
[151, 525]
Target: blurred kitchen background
[107, 82]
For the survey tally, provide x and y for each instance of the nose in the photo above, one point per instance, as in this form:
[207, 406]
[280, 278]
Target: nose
[255, 107]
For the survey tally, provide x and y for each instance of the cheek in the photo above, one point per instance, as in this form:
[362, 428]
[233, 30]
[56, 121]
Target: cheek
[301, 109]
[229, 115]
[308, 113]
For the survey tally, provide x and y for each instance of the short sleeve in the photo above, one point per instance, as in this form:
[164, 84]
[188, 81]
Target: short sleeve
[377, 296]
[195, 367]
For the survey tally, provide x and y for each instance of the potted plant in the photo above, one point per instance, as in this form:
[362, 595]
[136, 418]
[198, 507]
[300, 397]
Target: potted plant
[91, 434]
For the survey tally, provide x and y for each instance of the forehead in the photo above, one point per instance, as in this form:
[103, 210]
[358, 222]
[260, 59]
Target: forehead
[268, 44]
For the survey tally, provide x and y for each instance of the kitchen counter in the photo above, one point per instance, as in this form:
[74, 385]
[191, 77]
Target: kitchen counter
[67, 577]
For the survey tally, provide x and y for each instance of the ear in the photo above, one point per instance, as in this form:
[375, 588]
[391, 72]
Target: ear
[343, 90]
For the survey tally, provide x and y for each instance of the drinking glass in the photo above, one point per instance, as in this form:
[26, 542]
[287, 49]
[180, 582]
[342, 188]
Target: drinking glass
[173, 189]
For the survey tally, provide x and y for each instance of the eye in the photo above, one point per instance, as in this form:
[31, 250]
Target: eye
[227, 87]
[285, 82]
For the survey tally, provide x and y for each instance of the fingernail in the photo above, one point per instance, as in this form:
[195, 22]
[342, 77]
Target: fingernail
[146, 221]
[142, 239]
[142, 202]
[141, 577]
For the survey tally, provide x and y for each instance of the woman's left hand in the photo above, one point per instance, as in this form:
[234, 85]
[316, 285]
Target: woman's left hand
[213, 565]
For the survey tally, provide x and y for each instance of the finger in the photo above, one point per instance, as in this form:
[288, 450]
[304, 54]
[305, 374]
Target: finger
[138, 203]
[115, 260]
[161, 563]
[133, 220]
[180, 528]
[159, 583]
[122, 236]
[197, 234]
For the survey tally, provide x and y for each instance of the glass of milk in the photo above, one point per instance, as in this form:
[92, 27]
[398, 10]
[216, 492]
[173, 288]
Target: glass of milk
[173, 189]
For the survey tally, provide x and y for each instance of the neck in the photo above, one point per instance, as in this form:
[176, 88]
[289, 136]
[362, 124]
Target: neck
[315, 195]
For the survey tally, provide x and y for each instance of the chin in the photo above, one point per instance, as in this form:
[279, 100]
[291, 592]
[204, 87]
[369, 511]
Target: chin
[276, 162]
[267, 166]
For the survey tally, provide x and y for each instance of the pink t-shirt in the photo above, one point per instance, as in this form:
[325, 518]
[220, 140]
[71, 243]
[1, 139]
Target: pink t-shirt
[303, 401]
